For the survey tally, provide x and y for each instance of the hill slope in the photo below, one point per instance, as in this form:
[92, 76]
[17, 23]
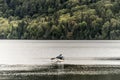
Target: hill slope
[60, 19]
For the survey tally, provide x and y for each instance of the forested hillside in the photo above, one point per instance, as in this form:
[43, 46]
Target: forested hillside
[60, 19]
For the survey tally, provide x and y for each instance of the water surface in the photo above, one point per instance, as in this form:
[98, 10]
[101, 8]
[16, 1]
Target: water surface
[75, 52]
[84, 60]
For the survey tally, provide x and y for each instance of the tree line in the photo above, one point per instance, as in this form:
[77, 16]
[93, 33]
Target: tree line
[60, 19]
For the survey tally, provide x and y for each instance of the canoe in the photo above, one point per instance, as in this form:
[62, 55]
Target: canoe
[57, 60]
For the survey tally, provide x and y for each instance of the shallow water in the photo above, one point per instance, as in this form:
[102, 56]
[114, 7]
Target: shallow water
[60, 72]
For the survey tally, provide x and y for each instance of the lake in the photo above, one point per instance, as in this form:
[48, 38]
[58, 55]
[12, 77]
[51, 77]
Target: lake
[84, 60]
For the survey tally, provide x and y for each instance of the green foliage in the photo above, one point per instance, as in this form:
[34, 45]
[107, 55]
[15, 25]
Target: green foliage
[60, 19]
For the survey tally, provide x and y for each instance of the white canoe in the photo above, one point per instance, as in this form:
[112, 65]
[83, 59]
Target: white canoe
[56, 60]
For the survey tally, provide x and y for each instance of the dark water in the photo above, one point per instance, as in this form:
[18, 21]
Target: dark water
[60, 72]
[65, 77]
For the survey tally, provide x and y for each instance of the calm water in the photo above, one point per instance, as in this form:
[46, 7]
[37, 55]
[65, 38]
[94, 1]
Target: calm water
[75, 52]
[84, 60]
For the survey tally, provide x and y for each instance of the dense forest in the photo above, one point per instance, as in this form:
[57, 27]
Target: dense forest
[60, 19]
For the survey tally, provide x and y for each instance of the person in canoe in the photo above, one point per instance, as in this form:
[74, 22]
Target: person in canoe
[59, 58]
